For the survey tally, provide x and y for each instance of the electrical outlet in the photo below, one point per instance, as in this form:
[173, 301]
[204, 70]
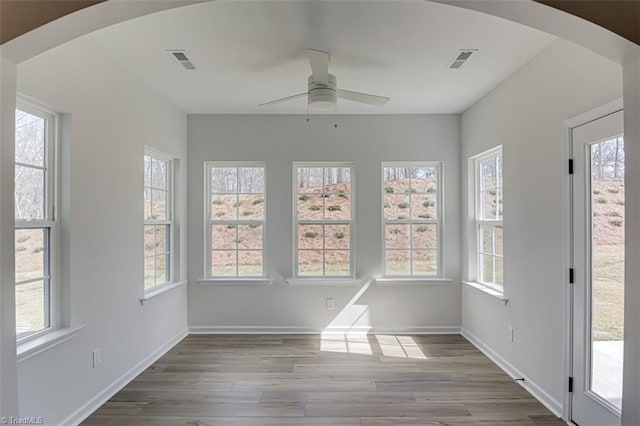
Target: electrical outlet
[329, 304]
[97, 357]
[510, 333]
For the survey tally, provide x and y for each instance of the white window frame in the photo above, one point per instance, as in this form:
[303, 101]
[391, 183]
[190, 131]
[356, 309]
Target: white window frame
[209, 222]
[169, 221]
[439, 221]
[49, 222]
[350, 221]
[478, 222]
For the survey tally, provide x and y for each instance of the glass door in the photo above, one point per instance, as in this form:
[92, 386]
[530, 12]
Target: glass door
[598, 260]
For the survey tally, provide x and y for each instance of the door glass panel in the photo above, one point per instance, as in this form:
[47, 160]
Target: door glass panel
[607, 263]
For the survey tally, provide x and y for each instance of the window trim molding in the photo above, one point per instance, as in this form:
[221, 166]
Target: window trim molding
[473, 249]
[208, 277]
[298, 279]
[172, 279]
[440, 252]
[50, 221]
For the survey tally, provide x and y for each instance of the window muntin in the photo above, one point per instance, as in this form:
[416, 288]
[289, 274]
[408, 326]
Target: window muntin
[35, 225]
[412, 219]
[158, 219]
[323, 224]
[489, 212]
[236, 198]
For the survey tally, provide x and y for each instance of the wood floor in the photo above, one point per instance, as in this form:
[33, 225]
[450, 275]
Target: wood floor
[323, 380]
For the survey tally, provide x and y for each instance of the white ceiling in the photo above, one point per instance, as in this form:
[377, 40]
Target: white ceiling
[249, 52]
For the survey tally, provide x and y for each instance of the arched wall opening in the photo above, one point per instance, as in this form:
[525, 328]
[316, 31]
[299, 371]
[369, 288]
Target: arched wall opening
[527, 13]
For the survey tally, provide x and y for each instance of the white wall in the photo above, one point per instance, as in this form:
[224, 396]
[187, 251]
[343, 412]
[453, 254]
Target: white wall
[525, 114]
[365, 140]
[8, 379]
[110, 117]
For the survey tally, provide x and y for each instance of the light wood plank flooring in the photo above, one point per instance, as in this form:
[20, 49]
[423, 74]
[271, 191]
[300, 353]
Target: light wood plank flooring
[323, 380]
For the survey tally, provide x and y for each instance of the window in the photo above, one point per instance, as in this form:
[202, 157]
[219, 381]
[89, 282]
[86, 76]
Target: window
[412, 215]
[235, 194]
[158, 219]
[323, 225]
[35, 225]
[488, 218]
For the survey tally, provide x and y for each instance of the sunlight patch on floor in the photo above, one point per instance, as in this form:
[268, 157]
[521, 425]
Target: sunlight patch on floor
[399, 346]
[348, 343]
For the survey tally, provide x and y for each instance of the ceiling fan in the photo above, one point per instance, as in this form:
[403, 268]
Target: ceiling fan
[322, 88]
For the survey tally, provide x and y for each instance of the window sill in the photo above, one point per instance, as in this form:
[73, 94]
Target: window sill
[343, 282]
[257, 282]
[160, 290]
[488, 291]
[413, 281]
[36, 346]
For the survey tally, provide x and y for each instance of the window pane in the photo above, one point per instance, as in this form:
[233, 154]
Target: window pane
[486, 268]
[159, 174]
[224, 180]
[499, 170]
[396, 207]
[337, 179]
[309, 179]
[500, 202]
[488, 204]
[425, 262]
[149, 240]
[499, 239]
[147, 204]
[336, 237]
[30, 139]
[397, 236]
[310, 262]
[223, 237]
[147, 170]
[30, 195]
[224, 207]
[424, 236]
[423, 207]
[486, 239]
[158, 204]
[310, 236]
[162, 270]
[499, 271]
[488, 174]
[310, 206]
[162, 237]
[337, 207]
[397, 262]
[250, 207]
[149, 271]
[30, 308]
[424, 180]
[396, 180]
[337, 262]
[223, 263]
[250, 263]
[251, 180]
[249, 237]
[30, 254]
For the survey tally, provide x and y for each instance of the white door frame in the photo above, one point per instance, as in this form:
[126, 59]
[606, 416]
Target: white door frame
[567, 328]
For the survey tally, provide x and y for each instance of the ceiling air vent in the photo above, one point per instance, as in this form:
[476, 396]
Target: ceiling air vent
[461, 57]
[181, 57]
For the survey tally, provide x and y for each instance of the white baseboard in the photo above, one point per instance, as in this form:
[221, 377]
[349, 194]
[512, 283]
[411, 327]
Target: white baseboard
[94, 403]
[534, 389]
[211, 329]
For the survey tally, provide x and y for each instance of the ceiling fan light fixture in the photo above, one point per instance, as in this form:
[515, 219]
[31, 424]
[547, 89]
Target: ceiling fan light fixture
[322, 97]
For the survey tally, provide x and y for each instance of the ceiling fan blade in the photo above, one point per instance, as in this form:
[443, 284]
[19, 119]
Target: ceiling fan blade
[364, 98]
[288, 98]
[319, 61]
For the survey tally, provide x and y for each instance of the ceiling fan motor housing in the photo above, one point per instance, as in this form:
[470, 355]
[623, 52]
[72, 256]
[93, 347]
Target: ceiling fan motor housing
[322, 96]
